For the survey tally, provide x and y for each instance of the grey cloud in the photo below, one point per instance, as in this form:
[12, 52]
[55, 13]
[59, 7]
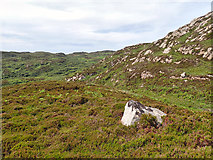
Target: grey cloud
[64, 4]
[133, 28]
[59, 5]
[76, 44]
[14, 35]
[98, 31]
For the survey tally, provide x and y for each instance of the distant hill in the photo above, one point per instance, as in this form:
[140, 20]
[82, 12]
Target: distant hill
[19, 67]
[155, 69]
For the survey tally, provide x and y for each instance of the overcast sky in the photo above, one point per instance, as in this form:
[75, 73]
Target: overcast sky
[90, 25]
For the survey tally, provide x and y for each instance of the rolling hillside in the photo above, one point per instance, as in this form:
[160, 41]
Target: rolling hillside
[20, 67]
[175, 69]
[72, 105]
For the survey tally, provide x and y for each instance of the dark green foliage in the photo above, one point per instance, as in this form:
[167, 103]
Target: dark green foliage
[53, 119]
[148, 120]
[22, 67]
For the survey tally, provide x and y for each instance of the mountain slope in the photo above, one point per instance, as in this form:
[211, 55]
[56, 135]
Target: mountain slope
[19, 67]
[157, 69]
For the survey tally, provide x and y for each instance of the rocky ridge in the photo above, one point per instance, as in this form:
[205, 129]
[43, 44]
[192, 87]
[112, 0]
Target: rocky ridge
[156, 69]
[191, 39]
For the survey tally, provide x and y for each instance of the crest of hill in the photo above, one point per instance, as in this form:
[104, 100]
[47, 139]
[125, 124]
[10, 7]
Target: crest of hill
[150, 66]
[21, 67]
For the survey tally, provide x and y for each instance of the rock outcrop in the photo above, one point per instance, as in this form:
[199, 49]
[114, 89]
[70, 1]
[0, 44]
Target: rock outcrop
[146, 74]
[76, 77]
[146, 59]
[134, 110]
[167, 50]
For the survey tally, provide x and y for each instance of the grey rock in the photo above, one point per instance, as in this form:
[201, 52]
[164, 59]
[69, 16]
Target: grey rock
[167, 50]
[146, 74]
[148, 52]
[134, 110]
[183, 75]
[163, 45]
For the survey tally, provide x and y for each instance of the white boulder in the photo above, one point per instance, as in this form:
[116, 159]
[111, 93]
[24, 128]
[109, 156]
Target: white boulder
[133, 111]
[183, 75]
